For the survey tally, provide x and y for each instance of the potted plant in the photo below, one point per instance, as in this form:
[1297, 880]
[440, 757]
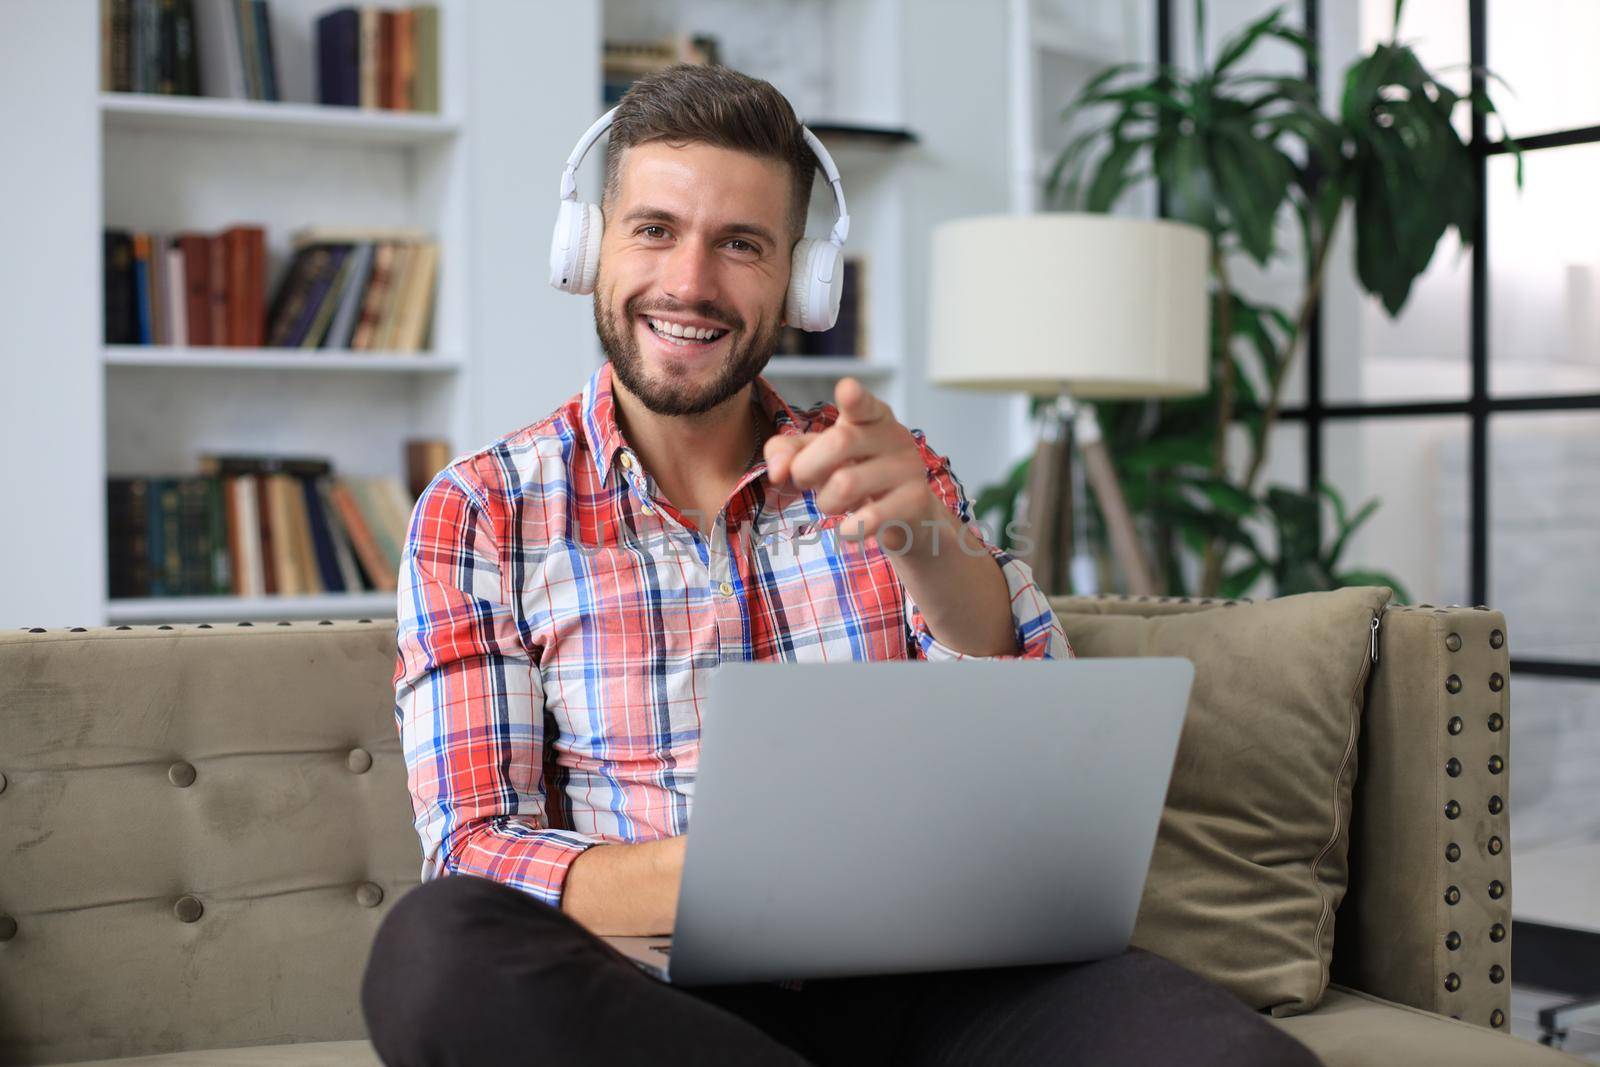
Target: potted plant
[1233, 150]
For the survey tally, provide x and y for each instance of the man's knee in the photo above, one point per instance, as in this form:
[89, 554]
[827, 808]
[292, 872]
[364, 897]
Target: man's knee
[437, 946]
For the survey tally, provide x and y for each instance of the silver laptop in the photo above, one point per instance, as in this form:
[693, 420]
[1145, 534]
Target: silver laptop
[881, 818]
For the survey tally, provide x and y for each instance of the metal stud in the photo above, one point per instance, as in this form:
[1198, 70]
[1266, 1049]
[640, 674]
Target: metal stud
[1452, 767]
[1495, 845]
[1496, 805]
[325, 622]
[1497, 1018]
[188, 909]
[1496, 721]
[181, 774]
[1452, 852]
[1452, 941]
[1497, 639]
[1497, 933]
[204, 626]
[1497, 889]
[1453, 642]
[1497, 682]
[1497, 974]
[124, 627]
[1452, 982]
[1452, 895]
[283, 622]
[1454, 725]
[37, 630]
[1496, 764]
[1452, 684]
[1452, 810]
[163, 627]
[78, 630]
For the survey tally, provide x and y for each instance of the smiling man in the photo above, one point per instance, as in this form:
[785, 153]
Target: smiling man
[566, 591]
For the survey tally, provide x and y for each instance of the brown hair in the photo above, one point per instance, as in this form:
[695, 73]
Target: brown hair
[717, 106]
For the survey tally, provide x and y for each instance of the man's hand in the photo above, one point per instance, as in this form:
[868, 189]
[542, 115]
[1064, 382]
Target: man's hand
[626, 889]
[866, 463]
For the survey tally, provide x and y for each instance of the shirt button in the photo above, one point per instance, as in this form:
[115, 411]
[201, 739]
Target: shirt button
[627, 461]
[725, 588]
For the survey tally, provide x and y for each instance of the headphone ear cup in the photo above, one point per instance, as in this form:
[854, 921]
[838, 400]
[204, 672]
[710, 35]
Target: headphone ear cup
[575, 247]
[594, 225]
[816, 282]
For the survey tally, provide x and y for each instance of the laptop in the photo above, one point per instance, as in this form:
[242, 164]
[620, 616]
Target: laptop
[894, 817]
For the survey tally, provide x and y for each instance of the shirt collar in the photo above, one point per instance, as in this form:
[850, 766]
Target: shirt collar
[605, 436]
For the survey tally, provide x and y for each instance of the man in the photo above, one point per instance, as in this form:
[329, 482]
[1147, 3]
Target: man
[566, 591]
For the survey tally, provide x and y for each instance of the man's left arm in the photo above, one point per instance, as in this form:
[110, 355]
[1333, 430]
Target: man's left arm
[964, 596]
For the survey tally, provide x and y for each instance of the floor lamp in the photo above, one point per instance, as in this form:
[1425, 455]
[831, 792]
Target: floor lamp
[1075, 308]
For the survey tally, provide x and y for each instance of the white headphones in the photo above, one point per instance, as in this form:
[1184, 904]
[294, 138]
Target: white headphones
[816, 274]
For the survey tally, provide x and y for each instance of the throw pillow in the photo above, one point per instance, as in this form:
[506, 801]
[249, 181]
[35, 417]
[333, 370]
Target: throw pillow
[1250, 859]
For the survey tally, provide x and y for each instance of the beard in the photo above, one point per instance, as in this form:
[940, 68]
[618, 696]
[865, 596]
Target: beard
[746, 357]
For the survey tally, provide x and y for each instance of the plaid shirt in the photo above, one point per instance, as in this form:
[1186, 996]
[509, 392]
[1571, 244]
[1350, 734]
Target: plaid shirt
[558, 621]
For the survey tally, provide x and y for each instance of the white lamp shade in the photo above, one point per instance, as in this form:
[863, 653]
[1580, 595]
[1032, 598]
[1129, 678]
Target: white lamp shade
[1099, 306]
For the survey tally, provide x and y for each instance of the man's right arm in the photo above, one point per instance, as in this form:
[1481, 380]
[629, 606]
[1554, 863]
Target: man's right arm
[626, 889]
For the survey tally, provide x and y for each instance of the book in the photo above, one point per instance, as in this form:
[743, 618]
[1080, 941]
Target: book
[338, 34]
[425, 63]
[306, 282]
[369, 53]
[177, 290]
[266, 56]
[380, 570]
[416, 301]
[344, 319]
[141, 286]
[323, 557]
[343, 551]
[221, 57]
[373, 301]
[327, 300]
[196, 250]
[121, 290]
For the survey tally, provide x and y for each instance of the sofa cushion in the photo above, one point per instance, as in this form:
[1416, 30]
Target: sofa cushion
[1250, 860]
[315, 1054]
[1354, 1029]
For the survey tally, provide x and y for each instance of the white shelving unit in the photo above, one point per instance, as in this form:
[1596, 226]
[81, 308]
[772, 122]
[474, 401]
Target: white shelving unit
[519, 82]
[190, 163]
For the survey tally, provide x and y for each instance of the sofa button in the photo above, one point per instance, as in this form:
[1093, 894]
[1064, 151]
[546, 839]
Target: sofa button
[1495, 845]
[1452, 767]
[1452, 852]
[1452, 895]
[181, 774]
[8, 928]
[1453, 642]
[1496, 721]
[1497, 974]
[359, 760]
[1452, 684]
[369, 894]
[1497, 933]
[1497, 682]
[1496, 805]
[1496, 764]
[1452, 940]
[1497, 1018]
[1497, 889]
[1452, 810]
[1454, 725]
[1497, 639]
[1452, 982]
[188, 909]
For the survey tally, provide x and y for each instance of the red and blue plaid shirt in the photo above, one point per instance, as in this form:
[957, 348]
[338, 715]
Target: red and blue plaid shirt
[558, 622]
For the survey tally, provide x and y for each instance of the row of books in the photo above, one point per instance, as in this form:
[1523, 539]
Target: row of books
[374, 57]
[255, 526]
[850, 334]
[189, 48]
[359, 290]
[621, 62]
[366, 56]
[185, 288]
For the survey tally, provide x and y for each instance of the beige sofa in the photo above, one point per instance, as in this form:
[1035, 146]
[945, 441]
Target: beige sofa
[202, 826]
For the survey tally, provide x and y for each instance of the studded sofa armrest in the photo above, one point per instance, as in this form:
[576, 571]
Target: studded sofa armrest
[1427, 919]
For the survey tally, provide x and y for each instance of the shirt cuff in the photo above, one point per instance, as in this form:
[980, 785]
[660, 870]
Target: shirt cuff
[533, 860]
[1038, 631]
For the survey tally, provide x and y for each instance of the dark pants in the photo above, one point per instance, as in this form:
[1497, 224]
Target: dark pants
[468, 971]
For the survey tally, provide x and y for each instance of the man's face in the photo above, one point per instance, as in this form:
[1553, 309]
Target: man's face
[697, 239]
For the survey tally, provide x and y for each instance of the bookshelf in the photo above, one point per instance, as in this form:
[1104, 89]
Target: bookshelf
[518, 82]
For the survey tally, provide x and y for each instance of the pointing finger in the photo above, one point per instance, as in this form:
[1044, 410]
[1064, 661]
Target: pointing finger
[856, 403]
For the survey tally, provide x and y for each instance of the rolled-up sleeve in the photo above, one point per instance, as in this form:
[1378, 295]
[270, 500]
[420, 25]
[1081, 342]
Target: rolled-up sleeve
[469, 702]
[1039, 632]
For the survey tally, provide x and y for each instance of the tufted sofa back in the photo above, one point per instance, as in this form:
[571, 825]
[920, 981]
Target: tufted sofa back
[200, 830]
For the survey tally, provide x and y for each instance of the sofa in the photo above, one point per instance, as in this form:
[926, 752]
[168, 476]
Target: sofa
[202, 827]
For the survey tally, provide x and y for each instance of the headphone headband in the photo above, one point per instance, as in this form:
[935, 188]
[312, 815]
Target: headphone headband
[841, 228]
